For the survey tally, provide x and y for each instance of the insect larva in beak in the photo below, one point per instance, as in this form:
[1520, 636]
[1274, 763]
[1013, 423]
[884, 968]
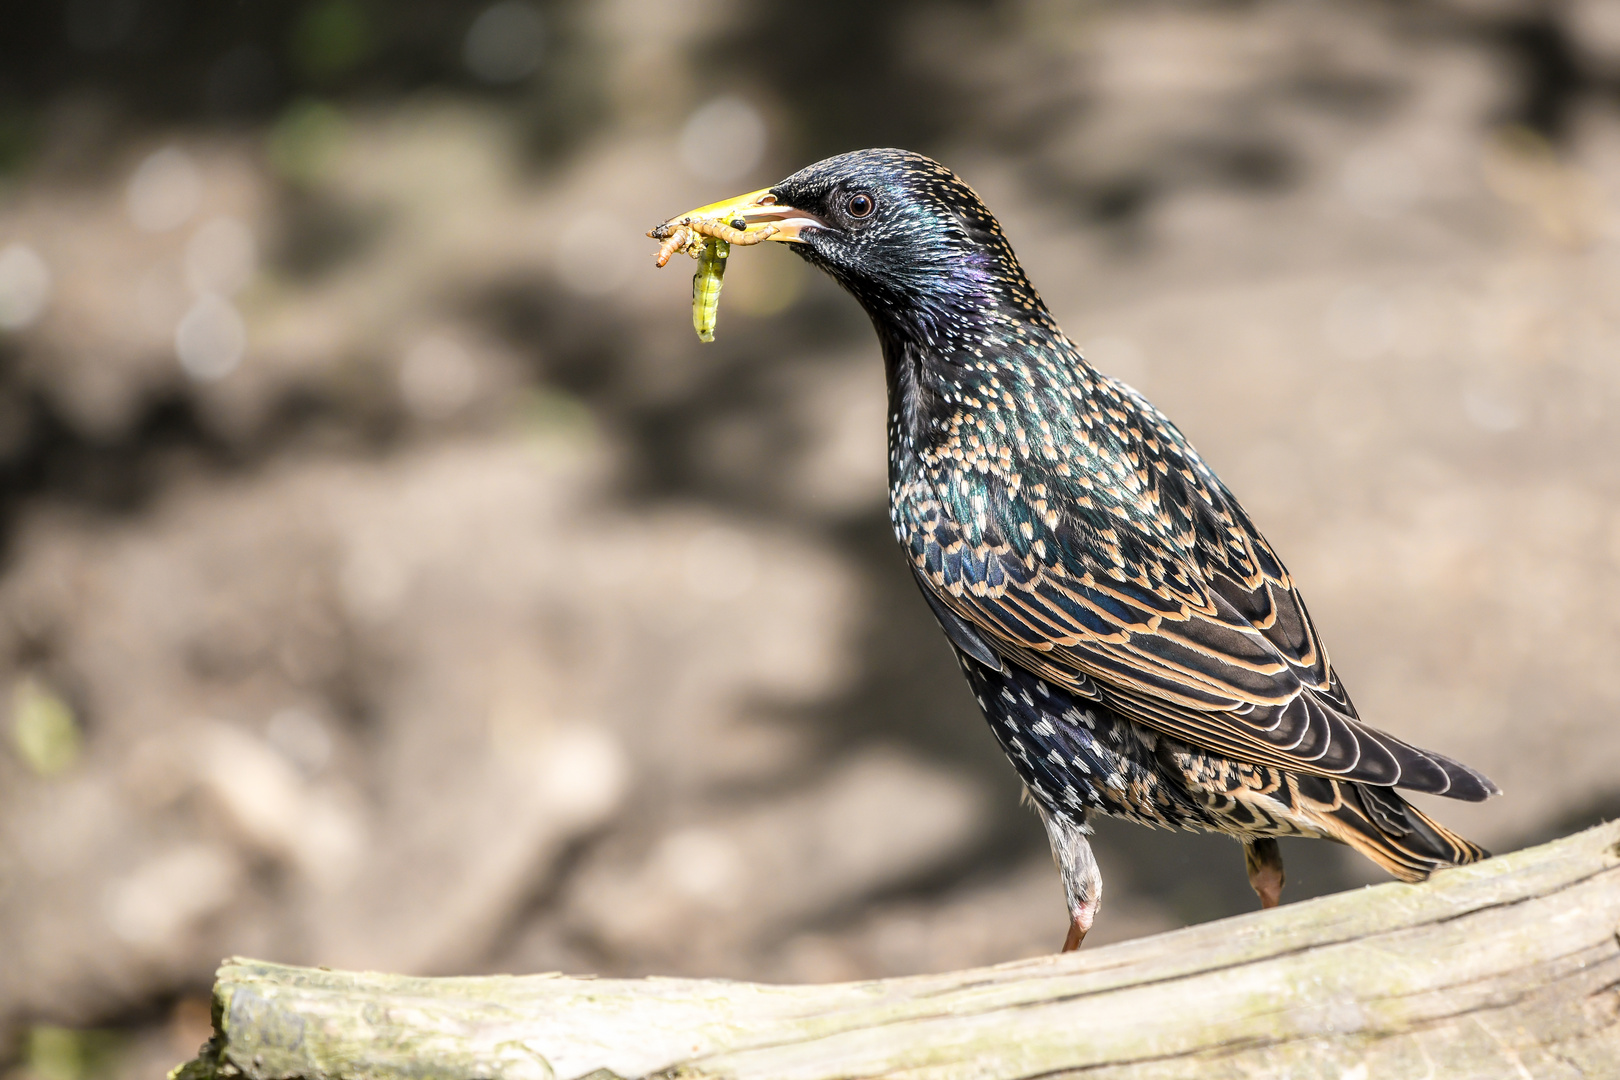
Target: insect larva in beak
[711, 271]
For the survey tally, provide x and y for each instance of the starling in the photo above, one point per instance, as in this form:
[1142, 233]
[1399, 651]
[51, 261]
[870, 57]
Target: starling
[1136, 645]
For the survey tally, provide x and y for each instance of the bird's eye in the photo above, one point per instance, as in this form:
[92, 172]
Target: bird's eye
[860, 205]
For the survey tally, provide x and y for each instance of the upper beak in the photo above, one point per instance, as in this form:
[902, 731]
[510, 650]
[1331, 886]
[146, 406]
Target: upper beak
[753, 213]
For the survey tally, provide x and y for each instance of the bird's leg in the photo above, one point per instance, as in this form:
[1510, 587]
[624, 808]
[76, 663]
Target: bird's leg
[1082, 881]
[1264, 860]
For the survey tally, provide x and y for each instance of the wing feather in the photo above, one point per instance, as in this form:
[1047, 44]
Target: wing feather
[1162, 599]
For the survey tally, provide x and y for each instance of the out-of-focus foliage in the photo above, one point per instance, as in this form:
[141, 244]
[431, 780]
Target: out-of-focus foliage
[43, 729]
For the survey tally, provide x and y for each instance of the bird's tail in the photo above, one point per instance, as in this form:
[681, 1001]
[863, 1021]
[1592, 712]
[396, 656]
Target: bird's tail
[1384, 827]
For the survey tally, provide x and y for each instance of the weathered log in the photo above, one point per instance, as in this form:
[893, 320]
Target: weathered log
[1508, 968]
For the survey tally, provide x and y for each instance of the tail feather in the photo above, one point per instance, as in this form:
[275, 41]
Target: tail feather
[1454, 779]
[1385, 828]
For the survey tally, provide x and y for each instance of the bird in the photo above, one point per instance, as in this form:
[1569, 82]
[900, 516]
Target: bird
[1137, 646]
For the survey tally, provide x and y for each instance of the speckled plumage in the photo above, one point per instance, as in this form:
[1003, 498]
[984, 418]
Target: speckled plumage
[1136, 645]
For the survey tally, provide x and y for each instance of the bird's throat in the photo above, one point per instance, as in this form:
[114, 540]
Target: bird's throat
[937, 370]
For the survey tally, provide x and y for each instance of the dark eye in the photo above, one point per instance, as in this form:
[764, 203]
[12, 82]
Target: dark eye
[860, 205]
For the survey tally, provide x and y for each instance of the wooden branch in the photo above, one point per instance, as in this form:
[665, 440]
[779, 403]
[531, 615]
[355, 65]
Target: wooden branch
[1508, 968]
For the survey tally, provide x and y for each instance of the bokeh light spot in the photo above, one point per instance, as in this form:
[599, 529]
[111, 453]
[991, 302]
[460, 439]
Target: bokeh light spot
[701, 864]
[164, 191]
[25, 286]
[584, 771]
[210, 339]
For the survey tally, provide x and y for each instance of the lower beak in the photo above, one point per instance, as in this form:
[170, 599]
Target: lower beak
[758, 213]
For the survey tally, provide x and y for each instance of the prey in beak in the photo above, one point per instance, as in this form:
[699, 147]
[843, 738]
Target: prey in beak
[707, 234]
[744, 220]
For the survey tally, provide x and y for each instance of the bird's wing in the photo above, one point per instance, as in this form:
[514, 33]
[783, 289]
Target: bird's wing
[1151, 583]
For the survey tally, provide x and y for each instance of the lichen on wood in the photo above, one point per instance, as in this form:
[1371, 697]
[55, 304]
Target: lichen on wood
[1506, 968]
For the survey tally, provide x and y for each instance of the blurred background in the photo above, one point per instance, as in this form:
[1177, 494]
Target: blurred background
[389, 579]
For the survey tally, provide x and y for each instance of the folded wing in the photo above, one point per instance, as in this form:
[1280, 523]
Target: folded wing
[1164, 599]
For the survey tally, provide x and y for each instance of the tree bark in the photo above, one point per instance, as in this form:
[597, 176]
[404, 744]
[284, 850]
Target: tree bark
[1507, 968]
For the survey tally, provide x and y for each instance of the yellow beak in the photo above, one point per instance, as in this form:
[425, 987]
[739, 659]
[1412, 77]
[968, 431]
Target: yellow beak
[753, 214]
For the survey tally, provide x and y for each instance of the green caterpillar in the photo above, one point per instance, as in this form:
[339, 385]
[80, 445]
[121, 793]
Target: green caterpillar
[711, 271]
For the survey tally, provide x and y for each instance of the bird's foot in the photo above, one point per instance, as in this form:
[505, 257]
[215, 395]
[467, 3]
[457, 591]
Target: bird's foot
[1080, 923]
[1264, 860]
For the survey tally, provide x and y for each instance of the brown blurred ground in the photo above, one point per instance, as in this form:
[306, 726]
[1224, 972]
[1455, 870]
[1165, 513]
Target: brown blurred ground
[366, 495]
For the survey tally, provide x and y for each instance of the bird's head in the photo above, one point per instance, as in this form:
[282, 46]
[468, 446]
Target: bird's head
[903, 234]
